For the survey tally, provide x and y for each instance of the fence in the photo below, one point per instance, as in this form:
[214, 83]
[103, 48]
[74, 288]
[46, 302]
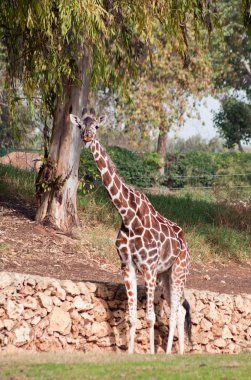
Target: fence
[208, 181]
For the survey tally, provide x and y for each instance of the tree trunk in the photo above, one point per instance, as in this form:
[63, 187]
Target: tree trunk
[240, 147]
[57, 181]
[161, 148]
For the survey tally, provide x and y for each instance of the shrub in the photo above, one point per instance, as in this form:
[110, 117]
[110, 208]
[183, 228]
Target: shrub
[199, 168]
[131, 166]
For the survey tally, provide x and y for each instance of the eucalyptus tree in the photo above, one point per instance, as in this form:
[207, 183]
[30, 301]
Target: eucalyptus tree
[231, 48]
[62, 49]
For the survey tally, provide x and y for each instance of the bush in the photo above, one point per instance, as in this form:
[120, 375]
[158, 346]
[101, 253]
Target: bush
[200, 168]
[131, 167]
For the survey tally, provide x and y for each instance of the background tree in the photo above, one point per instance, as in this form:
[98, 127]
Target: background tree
[160, 97]
[61, 49]
[231, 49]
[19, 124]
[233, 121]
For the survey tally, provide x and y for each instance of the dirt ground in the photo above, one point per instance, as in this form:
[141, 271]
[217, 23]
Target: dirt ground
[22, 160]
[31, 248]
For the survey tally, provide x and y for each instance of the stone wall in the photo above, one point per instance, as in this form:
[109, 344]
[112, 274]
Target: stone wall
[46, 314]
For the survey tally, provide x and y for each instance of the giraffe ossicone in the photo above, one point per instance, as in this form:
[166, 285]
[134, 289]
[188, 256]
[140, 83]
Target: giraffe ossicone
[147, 242]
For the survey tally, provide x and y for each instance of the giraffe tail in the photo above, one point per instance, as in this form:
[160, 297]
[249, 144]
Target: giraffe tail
[188, 321]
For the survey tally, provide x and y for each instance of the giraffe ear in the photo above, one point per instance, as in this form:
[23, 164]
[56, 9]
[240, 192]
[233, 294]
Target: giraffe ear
[84, 110]
[101, 120]
[75, 120]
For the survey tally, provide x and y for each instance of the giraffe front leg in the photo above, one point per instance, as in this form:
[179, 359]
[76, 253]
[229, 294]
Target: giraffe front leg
[129, 273]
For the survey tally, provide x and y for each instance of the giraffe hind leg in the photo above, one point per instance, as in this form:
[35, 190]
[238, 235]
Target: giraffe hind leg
[179, 309]
[129, 273]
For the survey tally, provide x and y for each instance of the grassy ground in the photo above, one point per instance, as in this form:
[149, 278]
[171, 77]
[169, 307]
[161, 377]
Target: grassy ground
[16, 182]
[116, 366]
[215, 231]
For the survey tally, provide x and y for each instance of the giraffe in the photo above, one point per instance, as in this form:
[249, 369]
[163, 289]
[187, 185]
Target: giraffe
[146, 242]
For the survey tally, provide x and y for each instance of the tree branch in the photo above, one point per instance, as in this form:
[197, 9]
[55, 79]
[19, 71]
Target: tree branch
[246, 66]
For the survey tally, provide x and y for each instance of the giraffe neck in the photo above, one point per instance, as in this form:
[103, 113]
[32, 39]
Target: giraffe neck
[117, 189]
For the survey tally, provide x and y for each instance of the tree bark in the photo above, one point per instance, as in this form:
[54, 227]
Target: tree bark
[161, 149]
[240, 147]
[57, 180]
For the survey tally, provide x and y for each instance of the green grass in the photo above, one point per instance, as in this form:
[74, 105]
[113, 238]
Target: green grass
[17, 182]
[117, 366]
[213, 232]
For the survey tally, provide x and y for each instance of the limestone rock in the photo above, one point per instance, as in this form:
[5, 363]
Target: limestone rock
[202, 338]
[48, 344]
[60, 293]
[81, 305]
[197, 317]
[205, 324]
[14, 310]
[56, 301]
[30, 281]
[249, 333]
[91, 286]
[101, 329]
[70, 287]
[226, 333]
[35, 320]
[46, 301]
[42, 312]
[28, 314]
[8, 324]
[75, 316]
[233, 329]
[212, 313]
[87, 317]
[220, 342]
[100, 311]
[27, 290]
[30, 302]
[2, 298]
[239, 303]
[60, 321]
[5, 280]
[22, 334]
[2, 312]
[83, 288]
[225, 301]
[66, 306]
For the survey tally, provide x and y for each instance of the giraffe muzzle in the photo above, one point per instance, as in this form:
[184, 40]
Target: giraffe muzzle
[87, 139]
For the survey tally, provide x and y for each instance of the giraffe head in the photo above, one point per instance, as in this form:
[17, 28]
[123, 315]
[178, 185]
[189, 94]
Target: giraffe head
[88, 125]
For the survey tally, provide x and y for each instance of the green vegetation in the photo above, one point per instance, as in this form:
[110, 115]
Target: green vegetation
[131, 166]
[17, 183]
[233, 121]
[198, 168]
[188, 367]
[213, 232]
[215, 229]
